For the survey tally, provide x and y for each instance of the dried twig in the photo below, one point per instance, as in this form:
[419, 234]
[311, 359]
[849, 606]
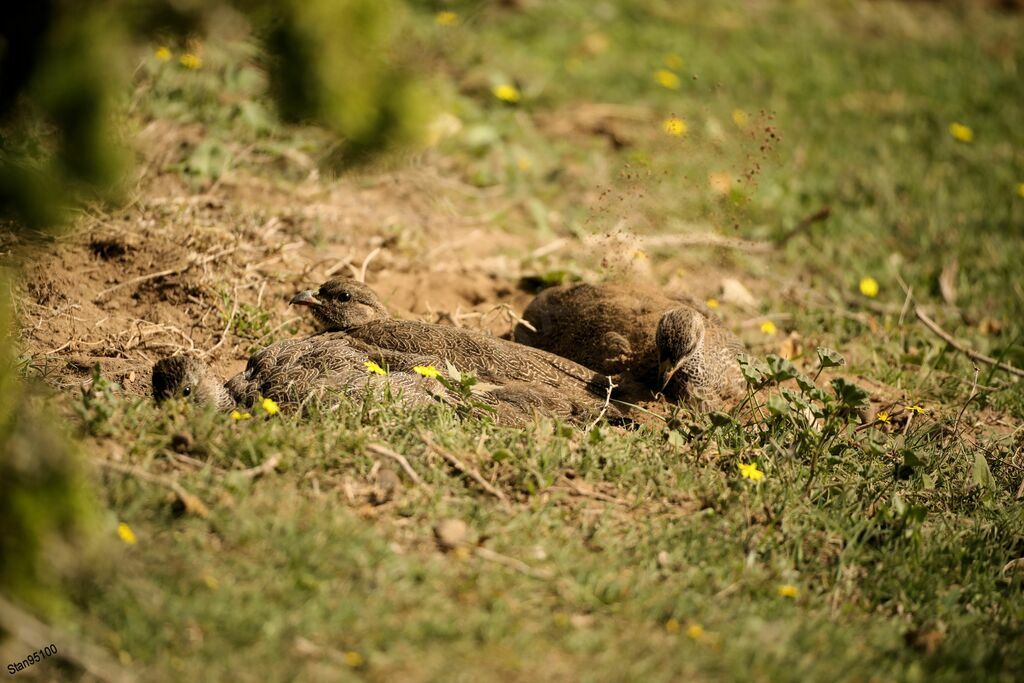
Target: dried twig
[266, 467]
[192, 262]
[708, 239]
[963, 348]
[604, 408]
[192, 503]
[384, 451]
[806, 222]
[511, 563]
[465, 469]
[227, 327]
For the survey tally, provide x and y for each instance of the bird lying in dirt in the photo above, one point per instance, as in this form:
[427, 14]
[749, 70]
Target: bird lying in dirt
[344, 305]
[322, 368]
[638, 333]
[292, 372]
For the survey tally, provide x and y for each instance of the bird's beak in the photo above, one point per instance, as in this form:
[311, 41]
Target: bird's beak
[667, 372]
[305, 298]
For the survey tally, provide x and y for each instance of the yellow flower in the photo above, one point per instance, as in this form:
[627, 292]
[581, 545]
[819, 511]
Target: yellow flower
[667, 79]
[191, 60]
[869, 287]
[882, 416]
[674, 125]
[235, 415]
[751, 472]
[446, 18]
[270, 406]
[672, 625]
[374, 368]
[126, 534]
[353, 659]
[768, 327]
[1020, 189]
[916, 408]
[163, 54]
[695, 631]
[506, 92]
[788, 590]
[211, 581]
[711, 303]
[961, 132]
[427, 371]
[674, 61]
[740, 118]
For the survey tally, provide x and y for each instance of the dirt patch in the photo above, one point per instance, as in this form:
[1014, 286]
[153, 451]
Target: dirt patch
[209, 271]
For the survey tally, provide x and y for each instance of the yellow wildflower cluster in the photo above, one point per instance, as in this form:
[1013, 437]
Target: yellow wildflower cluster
[270, 406]
[506, 92]
[869, 287]
[916, 408]
[191, 60]
[125, 533]
[675, 126]
[740, 118]
[768, 327]
[788, 590]
[667, 79]
[960, 132]
[446, 18]
[374, 368]
[1020, 189]
[750, 471]
[882, 416]
[427, 371]
[238, 415]
[163, 54]
[712, 303]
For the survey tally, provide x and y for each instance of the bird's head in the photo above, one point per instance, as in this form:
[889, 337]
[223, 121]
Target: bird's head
[190, 379]
[341, 304]
[680, 335]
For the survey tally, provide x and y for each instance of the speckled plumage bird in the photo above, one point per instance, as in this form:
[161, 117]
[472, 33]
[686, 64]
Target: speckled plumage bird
[352, 307]
[325, 367]
[294, 372]
[641, 335]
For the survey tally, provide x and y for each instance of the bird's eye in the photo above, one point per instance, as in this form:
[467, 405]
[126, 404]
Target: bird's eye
[344, 296]
[186, 391]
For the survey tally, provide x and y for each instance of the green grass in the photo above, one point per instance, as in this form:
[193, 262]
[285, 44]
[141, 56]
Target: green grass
[901, 534]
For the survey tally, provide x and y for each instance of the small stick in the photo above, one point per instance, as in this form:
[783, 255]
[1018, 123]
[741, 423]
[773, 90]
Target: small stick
[163, 273]
[366, 264]
[708, 240]
[604, 408]
[511, 562]
[266, 467]
[192, 503]
[227, 327]
[807, 221]
[963, 348]
[465, 469]
[384, 451]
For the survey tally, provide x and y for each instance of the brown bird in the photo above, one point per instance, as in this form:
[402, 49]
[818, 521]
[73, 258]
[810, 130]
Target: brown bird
[352, 307]
[293, 372]
[322, 368]
[641, 335]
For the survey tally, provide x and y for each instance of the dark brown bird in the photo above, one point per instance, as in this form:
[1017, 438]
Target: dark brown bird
[640, 334]
[352, 307]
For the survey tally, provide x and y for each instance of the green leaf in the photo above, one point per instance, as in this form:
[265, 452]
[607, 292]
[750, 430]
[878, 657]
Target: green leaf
[981, 475]
[780, 369]
[777, 405]
[849, 394]
[829, 358]
[752, 371]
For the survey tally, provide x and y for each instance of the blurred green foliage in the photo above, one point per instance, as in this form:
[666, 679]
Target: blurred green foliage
[44, 504]
[329, 62]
